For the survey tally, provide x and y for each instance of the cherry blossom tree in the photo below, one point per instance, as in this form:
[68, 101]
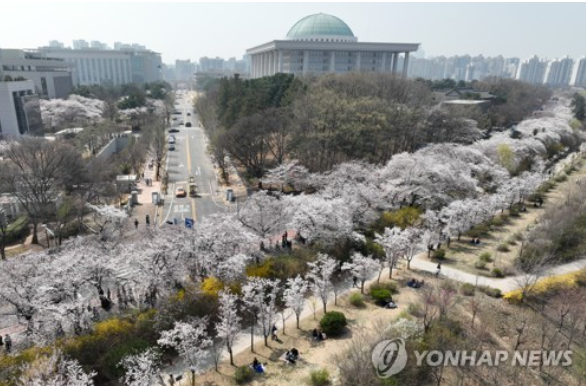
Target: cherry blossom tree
[260, 297]
[75, 109]
[142, 369]
[319, 219]
[294, 295]
[190, 340]
[394, 242]
[55, 370]
[361, 267]
[288, 173]
[229, 324]
[413, 237]
[265, 215]
[320, 275]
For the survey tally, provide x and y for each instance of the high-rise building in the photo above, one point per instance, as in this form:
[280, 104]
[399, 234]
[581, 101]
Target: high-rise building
[20, 111]
[184, 69]
[119, 66]
[56, 43]
[559, 72]
[319, 44]
[533, 70]
[80, 44]
[211, 64]
[580, 76]
[98, 45]
[52, 77]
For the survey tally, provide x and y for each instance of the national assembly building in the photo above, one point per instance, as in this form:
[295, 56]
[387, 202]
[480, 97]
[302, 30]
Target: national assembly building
[320, 44]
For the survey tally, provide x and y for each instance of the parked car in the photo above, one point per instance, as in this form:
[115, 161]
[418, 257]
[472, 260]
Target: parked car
[173, 130]
[171, 147]
[171, 140]
[188, 124]
[180, 192]
[189, 114]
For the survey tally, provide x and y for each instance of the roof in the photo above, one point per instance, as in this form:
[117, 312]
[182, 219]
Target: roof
[463, 91]
[319, 25]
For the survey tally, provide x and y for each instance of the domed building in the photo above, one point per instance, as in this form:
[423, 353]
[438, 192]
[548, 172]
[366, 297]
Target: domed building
[320, 44]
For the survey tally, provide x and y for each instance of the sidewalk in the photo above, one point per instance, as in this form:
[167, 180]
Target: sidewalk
[145, 202]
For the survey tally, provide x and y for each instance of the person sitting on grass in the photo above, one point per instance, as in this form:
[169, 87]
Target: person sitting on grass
[315, 334]
[291, 359]
[295, 353]
[391, 305]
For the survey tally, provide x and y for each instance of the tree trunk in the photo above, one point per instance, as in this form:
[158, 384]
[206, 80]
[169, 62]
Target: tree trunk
[231, 355]
[362, 287]
[35, 236]
[297, 317]
[252, 338]
[266, 340]
[324, 303]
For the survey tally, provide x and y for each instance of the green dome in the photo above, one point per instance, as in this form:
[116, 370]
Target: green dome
[320, 25]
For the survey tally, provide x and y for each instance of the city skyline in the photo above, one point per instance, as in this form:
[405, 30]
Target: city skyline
[548, 30]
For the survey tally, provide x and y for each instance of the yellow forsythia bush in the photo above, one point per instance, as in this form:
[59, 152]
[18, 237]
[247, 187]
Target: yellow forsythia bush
[550, 284]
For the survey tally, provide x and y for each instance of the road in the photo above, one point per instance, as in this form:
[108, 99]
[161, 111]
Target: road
[190, 159]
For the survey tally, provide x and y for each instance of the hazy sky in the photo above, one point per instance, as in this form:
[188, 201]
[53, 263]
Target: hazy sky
[192, 30]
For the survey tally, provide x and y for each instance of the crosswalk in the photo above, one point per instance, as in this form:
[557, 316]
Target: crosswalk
[181, 208]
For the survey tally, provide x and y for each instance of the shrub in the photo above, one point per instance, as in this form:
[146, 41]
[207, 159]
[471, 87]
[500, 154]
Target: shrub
[333, 323]
[320, 377]
[518, 236]
[356, 299]
[17, 231]
[550, 285]
[480, 230]
[490, 291]
[404, 217]
[467, 289]
[503, 248]
[415, 309]
[511, 240]
[497, 272]
[243, 375]
[439, 254]
[486, 257]
[480, 264]
[497, 221]
[561, 178]
[380, 296]
[389, 286]
[212, 286]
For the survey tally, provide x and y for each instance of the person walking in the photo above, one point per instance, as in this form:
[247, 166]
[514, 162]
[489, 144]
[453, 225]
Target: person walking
[354, 282]
[439, 268]
[136, 223]
[7, 343]
[274, 332]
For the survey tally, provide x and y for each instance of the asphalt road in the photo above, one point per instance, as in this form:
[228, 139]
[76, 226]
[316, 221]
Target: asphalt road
[190, 159]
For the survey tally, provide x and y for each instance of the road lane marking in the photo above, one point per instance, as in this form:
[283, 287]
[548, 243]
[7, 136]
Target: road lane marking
[193, 214]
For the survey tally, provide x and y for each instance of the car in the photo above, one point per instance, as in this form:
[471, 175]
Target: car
[171, 140]
[180, 122]
[173, 130]
[174, 118]
[180, 192]
[171, 147]
[189, 114]
[188, 124]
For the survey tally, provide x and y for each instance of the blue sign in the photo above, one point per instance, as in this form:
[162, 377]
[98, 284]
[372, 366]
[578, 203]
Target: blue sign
[189, 223]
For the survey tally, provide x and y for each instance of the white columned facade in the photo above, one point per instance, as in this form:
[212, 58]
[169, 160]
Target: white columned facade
[406, 64]
[384, 62]
[358, 58]
[395, 62]
[305, 61]
[280, 61]
[333, 61]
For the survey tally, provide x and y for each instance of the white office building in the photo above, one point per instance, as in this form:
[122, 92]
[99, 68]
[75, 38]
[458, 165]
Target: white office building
[319, 44]
[580, 73]
[106, 66]
[20, 111]
[52, 77]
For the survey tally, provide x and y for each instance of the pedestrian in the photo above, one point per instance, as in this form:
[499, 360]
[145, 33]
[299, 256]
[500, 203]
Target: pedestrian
[148, 220]
[171, 380]
[354, 282]
[135, 223]
[1, 341]
[274, 332]
[7, 343]
[439, 268]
